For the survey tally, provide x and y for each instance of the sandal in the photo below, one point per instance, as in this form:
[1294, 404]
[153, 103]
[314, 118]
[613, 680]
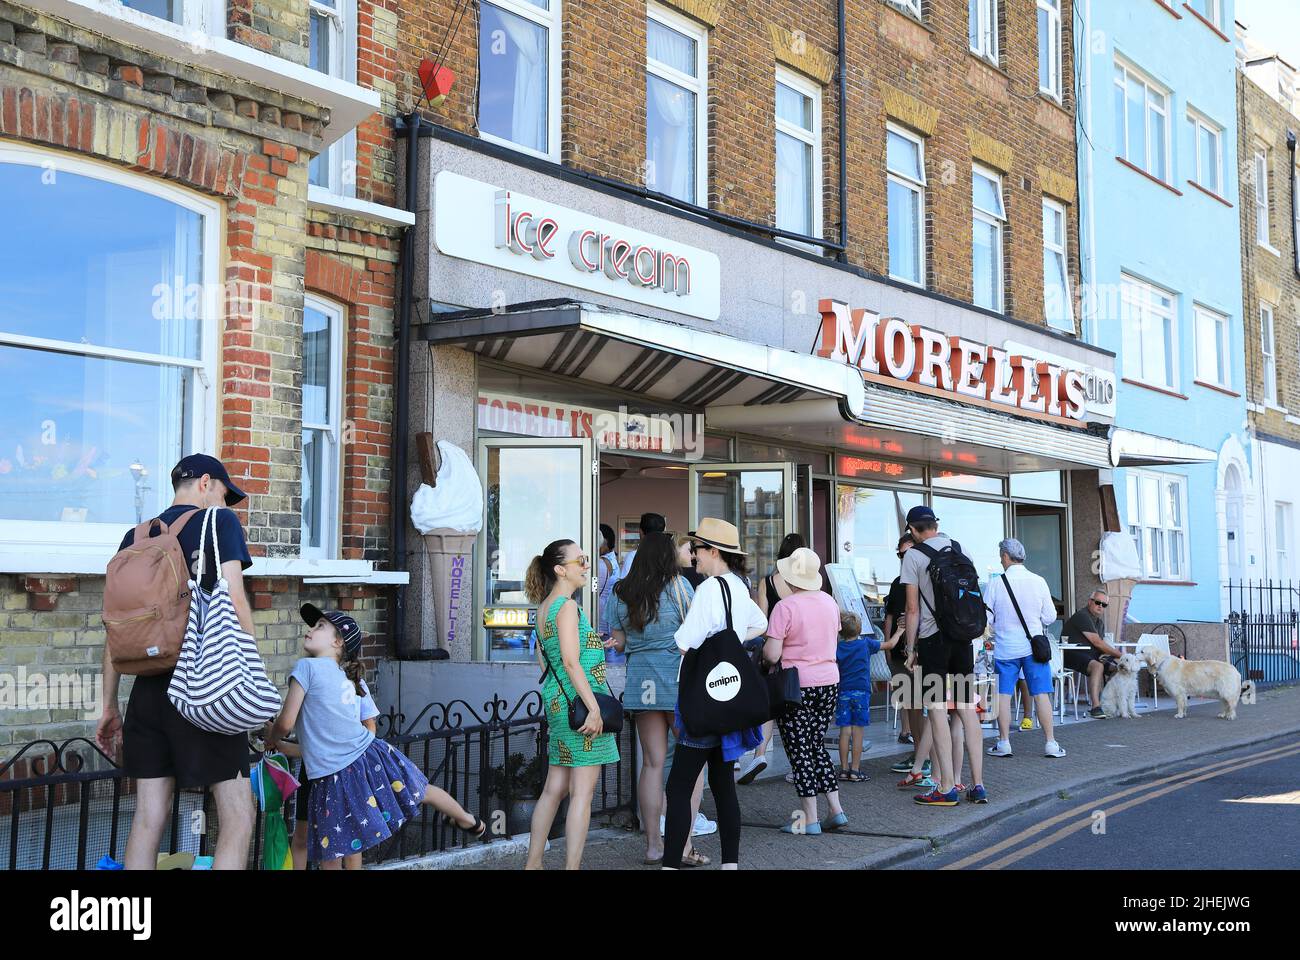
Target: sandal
[656, 862]
[477, 830]
[695, 859]
[856, 776]
[843, 774]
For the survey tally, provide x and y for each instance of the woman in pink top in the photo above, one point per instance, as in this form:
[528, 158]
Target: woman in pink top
[802, 632]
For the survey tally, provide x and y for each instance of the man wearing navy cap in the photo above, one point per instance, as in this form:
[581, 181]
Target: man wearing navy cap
[160, 748]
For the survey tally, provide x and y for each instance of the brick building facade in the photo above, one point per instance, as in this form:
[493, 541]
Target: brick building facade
[223, 122]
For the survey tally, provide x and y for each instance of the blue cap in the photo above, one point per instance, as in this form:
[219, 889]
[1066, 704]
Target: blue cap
[198, 464]
[345, 625]
[921, 514]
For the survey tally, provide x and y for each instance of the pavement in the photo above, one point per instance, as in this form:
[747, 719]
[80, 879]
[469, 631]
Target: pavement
[887, 829]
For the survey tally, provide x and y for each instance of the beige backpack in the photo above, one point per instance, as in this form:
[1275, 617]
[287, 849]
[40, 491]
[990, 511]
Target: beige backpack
[147, 600]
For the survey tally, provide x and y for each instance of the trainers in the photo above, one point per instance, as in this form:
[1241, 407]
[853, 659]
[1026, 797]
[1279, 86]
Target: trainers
[1026, 724]
[916, 780]
[1053, 749]
[925, 768]
[977, 794]
[751, 769]
[1097, 713]
[904, 766]
[703, 826]
[1000, 749]
[936, 799]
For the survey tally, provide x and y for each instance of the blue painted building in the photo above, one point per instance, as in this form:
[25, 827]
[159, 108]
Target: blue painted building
[1161, 263]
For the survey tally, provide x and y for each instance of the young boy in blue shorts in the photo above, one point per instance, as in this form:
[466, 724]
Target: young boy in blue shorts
[853, 710]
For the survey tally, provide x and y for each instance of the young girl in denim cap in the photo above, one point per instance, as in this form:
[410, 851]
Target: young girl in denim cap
[362, 789]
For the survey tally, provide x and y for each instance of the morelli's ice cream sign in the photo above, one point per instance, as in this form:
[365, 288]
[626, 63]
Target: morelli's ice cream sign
[499, 226]
[891, 350]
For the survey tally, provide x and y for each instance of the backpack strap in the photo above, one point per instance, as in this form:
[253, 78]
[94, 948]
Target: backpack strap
[926, 549]
[144, 531]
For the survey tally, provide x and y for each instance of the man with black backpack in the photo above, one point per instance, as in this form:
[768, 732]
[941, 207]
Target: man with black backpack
[945, 613]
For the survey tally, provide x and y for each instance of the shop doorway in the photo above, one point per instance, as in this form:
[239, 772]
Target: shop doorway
[1043, 531]
[759, 498]
[631, 486]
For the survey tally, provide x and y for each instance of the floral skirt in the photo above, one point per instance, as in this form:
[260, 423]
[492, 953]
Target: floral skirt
[364, 803]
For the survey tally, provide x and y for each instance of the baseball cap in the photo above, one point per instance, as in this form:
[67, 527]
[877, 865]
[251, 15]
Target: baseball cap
[345, 625]
[921, 514]
[197, 464]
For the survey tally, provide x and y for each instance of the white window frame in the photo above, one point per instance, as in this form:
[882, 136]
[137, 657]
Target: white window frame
[1214, 14]
[1222, 345]
[551, 20]
[1061, 250]
[1263, 208]
[1056, 52]
[1282, 535]
[1268, 351]
[1148, 294]
[993, 219]
[1295, 192]
[1201, 122]
[911, 6]
[698, 84]
[812, 138]
[52, 538]
[204, 16]
[1149, 532]
[985, 15]
[340, 156]
[916, 186]
[1150, 87]
[331, 517]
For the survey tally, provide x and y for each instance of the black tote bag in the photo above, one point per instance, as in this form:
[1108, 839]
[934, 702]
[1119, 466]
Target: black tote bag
[719, 689]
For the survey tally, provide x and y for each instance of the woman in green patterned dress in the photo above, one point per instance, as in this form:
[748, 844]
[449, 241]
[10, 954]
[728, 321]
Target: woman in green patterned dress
[567, 641]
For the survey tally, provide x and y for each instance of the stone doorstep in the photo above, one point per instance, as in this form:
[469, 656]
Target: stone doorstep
[478, 854]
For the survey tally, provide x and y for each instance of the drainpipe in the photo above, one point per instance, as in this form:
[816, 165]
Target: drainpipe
[843, 255]
[408, 127]
[1295, 234]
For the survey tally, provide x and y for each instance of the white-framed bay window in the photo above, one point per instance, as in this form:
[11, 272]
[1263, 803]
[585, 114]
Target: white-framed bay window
[1141, 121]
[1149, 320]
[982, 28]
[988, 215]
[1157, 522]
[1207, 136]
[798, 154]
[677, 105]
[108, 349]
[332, 50]
[1049, 48]
[1213, 346]
[1058, 308]
[519, 75]
[1268, 351]
[323, 323]
[905, 166]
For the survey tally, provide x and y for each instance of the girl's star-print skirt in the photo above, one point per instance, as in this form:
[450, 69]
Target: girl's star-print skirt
[364, 803]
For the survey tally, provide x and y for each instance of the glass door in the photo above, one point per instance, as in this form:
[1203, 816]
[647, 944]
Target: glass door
[757, 497]
[1043, 532]
[535, 491]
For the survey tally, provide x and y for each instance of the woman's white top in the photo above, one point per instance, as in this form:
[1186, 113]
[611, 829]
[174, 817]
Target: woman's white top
[707, 614]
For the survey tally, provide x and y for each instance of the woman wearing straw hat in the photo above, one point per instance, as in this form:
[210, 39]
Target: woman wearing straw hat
[803, 633]
[717, 556]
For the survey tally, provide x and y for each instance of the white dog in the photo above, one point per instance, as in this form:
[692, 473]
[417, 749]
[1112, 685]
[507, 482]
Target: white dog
[1119, 696]
[1199, 678]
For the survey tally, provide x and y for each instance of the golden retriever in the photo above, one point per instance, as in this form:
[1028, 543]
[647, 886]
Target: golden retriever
[1119, 696]
[1198, 678]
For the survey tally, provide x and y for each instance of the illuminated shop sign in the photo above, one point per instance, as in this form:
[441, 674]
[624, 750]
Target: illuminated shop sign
[509, 618]
[504, 228]
[891, 350]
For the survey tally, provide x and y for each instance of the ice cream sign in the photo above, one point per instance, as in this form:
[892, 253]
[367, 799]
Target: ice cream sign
[502, 227]
[891, 350]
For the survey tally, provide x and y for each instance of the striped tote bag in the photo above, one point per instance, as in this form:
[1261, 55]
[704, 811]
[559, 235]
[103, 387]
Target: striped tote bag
[220, 683]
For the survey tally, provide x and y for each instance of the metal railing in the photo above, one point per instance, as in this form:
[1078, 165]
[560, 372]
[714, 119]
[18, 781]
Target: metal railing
[1264, 630]
[67, 805]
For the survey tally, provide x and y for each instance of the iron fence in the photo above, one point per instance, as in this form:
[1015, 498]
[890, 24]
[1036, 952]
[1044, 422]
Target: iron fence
[1264, 630]
[66, 805]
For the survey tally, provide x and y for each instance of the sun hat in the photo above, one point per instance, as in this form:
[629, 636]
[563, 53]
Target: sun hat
[802, 569]
[718, 534]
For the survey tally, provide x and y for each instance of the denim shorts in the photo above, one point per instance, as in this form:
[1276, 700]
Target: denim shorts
[853, 708]
[1037, 675]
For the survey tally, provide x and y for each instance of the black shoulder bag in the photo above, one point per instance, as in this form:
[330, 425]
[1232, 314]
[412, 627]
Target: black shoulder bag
[719, 689]
[1040, 646]
[611, 708]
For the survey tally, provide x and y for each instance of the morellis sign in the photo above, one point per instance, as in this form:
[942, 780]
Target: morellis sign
[891, 350]
[504, 228]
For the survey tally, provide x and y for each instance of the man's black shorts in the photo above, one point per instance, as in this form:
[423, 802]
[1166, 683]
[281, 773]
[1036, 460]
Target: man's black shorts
[941, 661]
[1079, 660]
[158, 742]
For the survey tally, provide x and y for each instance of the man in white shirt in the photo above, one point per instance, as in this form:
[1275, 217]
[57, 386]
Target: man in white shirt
[1012, 652]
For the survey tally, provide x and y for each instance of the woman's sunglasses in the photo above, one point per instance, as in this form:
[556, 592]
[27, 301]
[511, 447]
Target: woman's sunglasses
[580, 561]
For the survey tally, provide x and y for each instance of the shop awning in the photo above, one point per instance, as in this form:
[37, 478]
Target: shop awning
[654, 358]
[1128, 448]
